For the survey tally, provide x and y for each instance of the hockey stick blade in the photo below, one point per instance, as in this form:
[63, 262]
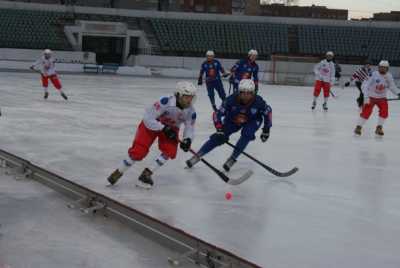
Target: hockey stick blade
[273, 171]
[241, 179]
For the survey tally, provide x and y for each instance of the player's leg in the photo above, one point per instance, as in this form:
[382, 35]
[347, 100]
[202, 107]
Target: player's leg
[214, 141]
[360, 99]
[383, 115]
[317, 91]
[247, 135]
[211, 94]
[45, 84]
[221, 90]
[326, 87]
[168, 148]
[57, 84]
[144, 138]
[364, 115]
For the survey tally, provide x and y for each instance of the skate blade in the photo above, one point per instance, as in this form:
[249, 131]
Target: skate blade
[143, 185]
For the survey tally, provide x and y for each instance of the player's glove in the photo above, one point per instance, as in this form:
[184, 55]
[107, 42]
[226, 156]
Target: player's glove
[398, 95]
[226, 74]
[169, 132]
[264, 135]
[185, 144]
[347, 84]
[200, 81]
[256, 88]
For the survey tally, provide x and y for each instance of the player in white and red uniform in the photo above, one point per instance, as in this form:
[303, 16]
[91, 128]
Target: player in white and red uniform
[375, 90]
[162, 120]
[324, 79]
[47, 69]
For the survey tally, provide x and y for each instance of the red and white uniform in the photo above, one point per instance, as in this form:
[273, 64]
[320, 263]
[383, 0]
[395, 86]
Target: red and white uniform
[376, 88]
[47, 68]
[163, 112]
[324, 77]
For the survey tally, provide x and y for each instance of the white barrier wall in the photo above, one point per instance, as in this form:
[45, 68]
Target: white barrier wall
[13, 54]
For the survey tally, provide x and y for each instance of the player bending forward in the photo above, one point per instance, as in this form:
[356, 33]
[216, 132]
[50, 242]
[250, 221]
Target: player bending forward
[374, 90]
[47, 64]
[162, 120]
[243, 111]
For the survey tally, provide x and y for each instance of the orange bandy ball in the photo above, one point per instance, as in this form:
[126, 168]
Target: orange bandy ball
[228, 195]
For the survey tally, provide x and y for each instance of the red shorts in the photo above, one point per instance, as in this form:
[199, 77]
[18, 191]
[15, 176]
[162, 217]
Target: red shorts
[53, 78]
[321, 85]
[144, 139]
[382, 105]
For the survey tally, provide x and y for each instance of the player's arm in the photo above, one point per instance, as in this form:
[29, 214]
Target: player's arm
[200, 80]
[392, 86]
[153, 113]
[333, 74]
[366, 85]
[220, 114]
[188, 132]
[35, 64]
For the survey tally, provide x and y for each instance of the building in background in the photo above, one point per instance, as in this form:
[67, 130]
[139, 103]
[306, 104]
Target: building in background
[318, 12]
[207, 6]
[387, 16]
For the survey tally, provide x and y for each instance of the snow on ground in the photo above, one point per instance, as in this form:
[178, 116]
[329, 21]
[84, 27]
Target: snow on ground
[340, 210]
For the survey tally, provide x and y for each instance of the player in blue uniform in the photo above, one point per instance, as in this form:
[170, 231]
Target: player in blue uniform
[245, 69]
[243, 111]
[212, 68]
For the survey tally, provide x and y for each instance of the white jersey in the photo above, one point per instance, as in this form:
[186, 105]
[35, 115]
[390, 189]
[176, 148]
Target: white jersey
[46, 66]
[325, 71]
[377, 85]
[165, 112]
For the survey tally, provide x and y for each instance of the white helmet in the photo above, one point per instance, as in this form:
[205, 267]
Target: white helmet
[185, 88]
[247, 85]
[383, 63]
[47, 51]
[330, 53]
[210, 53]
[252, 52]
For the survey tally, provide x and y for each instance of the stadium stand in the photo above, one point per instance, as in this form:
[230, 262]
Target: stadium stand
[191, 37]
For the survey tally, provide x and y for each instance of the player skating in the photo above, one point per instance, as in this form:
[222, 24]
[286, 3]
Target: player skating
[243, 111]
[324, 79]
[46, 65]
[359, 76]
[245, 69]
[212, 68]
[375, 90]
[162, 120]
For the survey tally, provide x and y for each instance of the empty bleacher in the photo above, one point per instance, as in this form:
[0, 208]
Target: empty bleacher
[32, 29]
[194, 37]
[372, 43]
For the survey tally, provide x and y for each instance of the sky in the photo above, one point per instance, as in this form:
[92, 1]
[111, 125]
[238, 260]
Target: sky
[357, 8]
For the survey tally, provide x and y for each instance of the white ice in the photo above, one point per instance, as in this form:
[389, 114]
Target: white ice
[342, 209]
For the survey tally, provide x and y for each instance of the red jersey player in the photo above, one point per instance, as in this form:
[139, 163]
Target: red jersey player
[162, 120]
[47, 69]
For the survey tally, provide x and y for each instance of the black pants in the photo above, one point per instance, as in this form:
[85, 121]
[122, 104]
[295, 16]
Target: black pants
[360, 99]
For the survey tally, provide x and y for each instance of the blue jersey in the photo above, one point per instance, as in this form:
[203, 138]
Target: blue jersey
[212, 69]
[232, 111]
[244, 69]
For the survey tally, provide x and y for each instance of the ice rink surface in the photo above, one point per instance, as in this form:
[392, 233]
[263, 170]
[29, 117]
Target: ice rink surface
[342, 209]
